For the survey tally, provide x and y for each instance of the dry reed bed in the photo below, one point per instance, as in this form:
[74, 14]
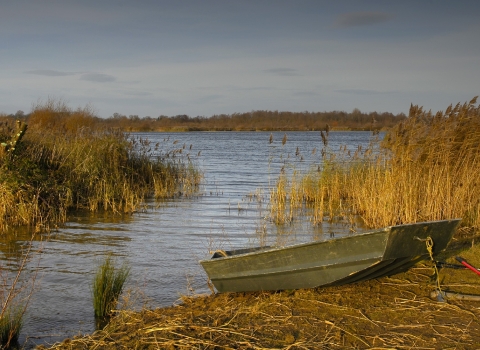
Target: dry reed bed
[64, 163]
[390, 313]
[425, 169]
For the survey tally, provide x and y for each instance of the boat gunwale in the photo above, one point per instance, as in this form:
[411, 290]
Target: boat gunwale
[293, 246]
[385, 230]
[374, 261]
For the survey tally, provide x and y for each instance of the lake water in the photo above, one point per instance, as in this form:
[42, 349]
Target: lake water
[164, 243]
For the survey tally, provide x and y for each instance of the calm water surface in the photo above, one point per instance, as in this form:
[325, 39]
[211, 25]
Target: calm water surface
[164, 243]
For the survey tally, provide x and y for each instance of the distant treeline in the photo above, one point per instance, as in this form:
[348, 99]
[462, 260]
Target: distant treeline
[250, 121]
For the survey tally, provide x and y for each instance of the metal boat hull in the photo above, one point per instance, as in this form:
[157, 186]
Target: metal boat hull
[333, 262]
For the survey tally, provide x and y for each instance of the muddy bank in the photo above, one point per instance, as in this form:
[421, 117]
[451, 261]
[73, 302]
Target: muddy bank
[393, 312]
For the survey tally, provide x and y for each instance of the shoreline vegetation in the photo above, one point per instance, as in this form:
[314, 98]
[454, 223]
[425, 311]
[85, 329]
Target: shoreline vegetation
[425, 169]
[260, 120]
[57, 160]
[66, 161]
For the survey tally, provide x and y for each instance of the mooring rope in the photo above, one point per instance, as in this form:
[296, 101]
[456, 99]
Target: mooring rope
[429, 244]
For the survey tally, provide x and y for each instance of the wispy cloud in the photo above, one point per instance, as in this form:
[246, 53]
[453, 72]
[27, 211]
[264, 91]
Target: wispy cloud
[137, 93]
[49, 72]
[305, 93]
[282, 71]
[98, 77]
[355, 19]
[95, 77]
[209, 98]
[360, 92]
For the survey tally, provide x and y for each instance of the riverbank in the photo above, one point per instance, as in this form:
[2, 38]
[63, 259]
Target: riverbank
[392, 312]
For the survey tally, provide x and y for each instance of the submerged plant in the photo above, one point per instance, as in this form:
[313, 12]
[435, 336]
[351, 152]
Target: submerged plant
[107, 287]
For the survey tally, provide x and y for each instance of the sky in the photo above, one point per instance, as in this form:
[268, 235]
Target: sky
[201, 58]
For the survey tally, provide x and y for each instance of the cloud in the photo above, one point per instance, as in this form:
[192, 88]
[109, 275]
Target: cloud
[286, 72]
[138, 93]
[98, 77]
[360, 92]
[49, 72]
[306, 94]
[209, 98]
[95, 77]
[356, 19]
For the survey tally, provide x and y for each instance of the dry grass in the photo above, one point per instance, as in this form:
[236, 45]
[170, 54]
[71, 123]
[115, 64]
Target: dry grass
[390, 313]
[63, 163]
[425, 169]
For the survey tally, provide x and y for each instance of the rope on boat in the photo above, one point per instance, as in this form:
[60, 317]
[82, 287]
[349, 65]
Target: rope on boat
[429, 244]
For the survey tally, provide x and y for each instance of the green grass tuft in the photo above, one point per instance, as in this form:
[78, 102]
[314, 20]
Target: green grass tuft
[11, 323]
[107, 287]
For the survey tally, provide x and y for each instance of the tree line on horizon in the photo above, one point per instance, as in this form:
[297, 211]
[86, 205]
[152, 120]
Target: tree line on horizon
[259, 120]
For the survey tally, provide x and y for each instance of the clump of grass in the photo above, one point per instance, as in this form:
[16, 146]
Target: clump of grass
[15, 295]
[425, 169]
[67, 161]
[11, 322]
[278, 195]
[287, 194]
[107, 287]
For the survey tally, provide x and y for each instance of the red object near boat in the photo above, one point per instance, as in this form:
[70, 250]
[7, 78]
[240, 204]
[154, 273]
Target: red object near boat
[467, 265]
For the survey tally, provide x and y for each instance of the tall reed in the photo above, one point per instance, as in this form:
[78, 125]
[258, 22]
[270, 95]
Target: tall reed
[107, 287]
[63, 163]
[425, 169]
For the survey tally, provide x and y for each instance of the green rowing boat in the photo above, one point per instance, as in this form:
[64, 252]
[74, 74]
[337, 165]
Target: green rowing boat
[349, 259]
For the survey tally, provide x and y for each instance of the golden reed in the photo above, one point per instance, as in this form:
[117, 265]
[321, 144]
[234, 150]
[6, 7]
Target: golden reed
[426, 168]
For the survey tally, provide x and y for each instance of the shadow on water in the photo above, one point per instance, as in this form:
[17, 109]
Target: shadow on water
[14, 242]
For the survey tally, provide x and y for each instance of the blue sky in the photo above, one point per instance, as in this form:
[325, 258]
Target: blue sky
[218, 56]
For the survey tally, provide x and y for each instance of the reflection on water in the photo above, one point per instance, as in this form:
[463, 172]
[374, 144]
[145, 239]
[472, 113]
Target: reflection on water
[164, 243]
